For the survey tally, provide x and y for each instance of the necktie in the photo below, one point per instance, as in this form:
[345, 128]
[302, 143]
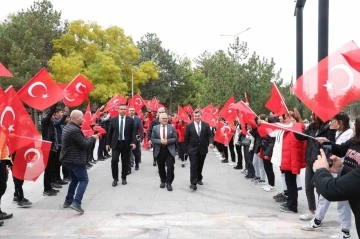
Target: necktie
[164, 136]
[198, 128]
[121, 128]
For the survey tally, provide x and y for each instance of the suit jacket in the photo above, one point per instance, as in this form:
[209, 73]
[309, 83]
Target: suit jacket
[171, 139]
[194, 143]
[129, 132]
[138, 127]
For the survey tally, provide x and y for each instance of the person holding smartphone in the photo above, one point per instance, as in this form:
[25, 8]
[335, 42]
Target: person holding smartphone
[346, 185]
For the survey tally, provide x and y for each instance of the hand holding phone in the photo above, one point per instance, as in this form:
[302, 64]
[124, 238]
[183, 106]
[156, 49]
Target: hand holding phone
[327, 147]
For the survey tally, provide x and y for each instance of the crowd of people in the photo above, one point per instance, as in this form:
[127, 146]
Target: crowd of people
[167, 137]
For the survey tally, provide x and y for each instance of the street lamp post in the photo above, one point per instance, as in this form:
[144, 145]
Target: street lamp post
[132, 82]
[235, 36]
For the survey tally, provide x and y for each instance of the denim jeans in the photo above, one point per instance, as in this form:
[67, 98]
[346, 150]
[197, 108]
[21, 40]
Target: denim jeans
[79, 180]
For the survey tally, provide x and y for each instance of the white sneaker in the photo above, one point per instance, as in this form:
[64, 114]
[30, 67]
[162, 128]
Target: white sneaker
[215, 150]
[307, 216]
[340, 235]
[311, 226]
[269, 189]
[151, 149]
[266, 186]
[230, 163]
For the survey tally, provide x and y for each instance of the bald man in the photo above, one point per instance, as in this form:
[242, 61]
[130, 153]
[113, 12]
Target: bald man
[73, 156]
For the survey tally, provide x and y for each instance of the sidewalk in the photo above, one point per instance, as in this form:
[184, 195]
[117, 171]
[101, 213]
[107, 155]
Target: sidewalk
[226, 206]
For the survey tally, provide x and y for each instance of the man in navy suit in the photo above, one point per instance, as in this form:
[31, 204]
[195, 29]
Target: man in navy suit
[136, 153]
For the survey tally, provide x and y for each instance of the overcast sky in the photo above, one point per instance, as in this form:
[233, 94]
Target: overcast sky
[189, 27]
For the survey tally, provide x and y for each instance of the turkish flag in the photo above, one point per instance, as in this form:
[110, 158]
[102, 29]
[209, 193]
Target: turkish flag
[95, 116]
[208, 109]
[353, 58]
[15, 118]
[266, 128]
[246, 115]
[330, 85]
[188, 109]
[210, 118]
[30, 161]
[228, 113]
[276, 103]
[87, 119]
[77, 91]
[5, 72]
[115, 102]
[41, 91]
[140, 114]
[137, 102]
[182, 115]
[215, 110]
[224, 133]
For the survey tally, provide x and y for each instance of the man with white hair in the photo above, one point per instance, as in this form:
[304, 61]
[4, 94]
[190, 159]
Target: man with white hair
[164, 138]
[154, 123]
[73, 156]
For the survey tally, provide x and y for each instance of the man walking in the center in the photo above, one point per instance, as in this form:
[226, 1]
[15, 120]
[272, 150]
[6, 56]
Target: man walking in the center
[121, 137]
[164, 137]
[198, 137]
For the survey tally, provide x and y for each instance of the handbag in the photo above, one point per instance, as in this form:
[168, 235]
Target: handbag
[246, 142]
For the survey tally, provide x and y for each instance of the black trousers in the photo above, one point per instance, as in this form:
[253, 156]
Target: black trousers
[3, 179]
[49, 170]
[292, 191]
[240, 156]
[181, 151]
[57, 167]
[196, 166]
[355, 208]
[19, 192]
[269, 172]
[165, 158]
[232, 151]
[120, 149]
[249, 155]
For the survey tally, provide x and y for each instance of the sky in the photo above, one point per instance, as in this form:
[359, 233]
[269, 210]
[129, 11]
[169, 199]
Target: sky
[189, 27]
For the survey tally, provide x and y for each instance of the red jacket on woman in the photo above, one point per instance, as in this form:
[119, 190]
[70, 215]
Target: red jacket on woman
[180, 130]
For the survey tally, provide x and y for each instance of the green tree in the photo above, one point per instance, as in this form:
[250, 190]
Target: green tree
[26, 41]
[105, 56]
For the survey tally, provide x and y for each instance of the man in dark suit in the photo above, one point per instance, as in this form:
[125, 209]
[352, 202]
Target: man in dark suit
[198, 137]
[121, 137]
[164, 137]
[139, 138]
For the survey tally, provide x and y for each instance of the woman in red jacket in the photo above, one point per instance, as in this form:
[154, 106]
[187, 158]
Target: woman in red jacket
[180, 130]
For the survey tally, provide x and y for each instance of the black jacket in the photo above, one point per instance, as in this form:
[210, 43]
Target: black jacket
[129, 132]
[48, 130]
[312, 146]
[257, 142]
[195, 144]
[74, 145]
[153, 123]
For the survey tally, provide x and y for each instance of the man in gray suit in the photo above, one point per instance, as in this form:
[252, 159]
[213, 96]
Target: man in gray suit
[163, 137]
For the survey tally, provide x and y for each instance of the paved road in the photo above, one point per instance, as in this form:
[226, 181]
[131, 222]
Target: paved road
[226, 206]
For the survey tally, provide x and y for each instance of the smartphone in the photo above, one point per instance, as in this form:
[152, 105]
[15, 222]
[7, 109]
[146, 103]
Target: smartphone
[138, 137]
[327, 147]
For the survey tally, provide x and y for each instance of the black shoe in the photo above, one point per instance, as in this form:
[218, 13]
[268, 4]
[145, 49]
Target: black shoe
[49, 193]
[287, 210]
[238, 167]
[281, 199]
[77, 208]
[67, 179]
[137, 167]
[124, 182]
[67, 204]
[225, 161]
[200, 183]
[61, 182]
[154, 163]
[55, 190]
[162, 185]
[115, 183]
[1, 223]
[24, 203]
[55, 185]
[140, 161]
[129, 172]
[4, 215]
[169, 187]
[193, 187]
[101, 159]
[15, 199]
